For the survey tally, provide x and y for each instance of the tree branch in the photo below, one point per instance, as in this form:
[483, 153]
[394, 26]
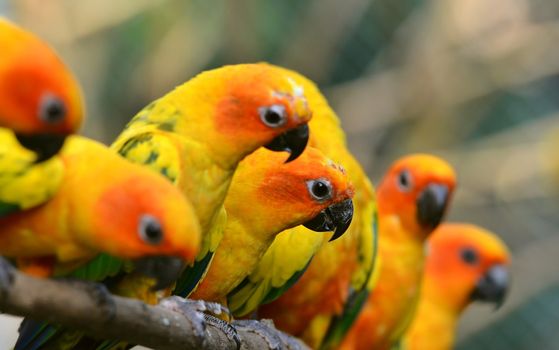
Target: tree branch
[102, 315]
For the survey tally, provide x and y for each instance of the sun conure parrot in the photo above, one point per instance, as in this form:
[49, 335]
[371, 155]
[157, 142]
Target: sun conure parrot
[40, 100]
[339, 273]
[464, 263]
[412, 198]
[198, 133]
[105, 204]
[267, 197]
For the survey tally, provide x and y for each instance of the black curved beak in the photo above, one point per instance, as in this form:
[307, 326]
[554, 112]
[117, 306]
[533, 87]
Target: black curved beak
[493, 286]
[44, 145]
[336, 217]
[431, 205]
[293, 141]
[164, 269]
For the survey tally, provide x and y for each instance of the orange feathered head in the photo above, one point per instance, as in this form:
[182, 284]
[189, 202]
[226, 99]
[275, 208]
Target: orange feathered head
[39, 96]
[417, 190]
[143, 214]
[466, 263]
[254, 105]
[312, 190]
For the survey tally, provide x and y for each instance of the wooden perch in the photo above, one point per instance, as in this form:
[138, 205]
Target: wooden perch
[102, 315]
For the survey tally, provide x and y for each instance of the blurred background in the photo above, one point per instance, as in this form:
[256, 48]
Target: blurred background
[474, 81]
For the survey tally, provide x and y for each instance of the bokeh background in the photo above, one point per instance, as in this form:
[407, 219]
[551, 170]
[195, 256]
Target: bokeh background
[474, 81]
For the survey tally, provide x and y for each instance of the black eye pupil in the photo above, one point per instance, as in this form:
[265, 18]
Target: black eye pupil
[153, 231]
[150, 230]
[273, 117]
[52, 109]
[404, 180]
[320, 189]
[469, 256]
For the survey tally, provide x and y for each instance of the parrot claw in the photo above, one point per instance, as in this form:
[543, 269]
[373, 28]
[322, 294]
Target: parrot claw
[98, 292]
[202, 313]
[225, 327]
[6, 276]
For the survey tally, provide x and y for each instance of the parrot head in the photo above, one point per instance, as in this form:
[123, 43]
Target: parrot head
[417, 189]
[466, 263]
[257, 105]
[143, 217]
[311, 190]
[39, 97]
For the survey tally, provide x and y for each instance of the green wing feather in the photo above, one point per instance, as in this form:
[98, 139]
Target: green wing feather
[340, 325]
[281, 266]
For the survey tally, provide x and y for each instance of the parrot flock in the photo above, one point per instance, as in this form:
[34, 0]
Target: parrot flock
[237, 189]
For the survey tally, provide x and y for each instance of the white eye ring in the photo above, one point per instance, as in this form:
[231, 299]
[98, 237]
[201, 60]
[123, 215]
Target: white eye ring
[273, 116]
[320, 189]
[150, 230]
[51, 109]
[404, 181]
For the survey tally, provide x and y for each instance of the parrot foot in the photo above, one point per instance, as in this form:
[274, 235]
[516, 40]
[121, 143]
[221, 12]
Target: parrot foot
[225, 327]
[201, 314]
[99, 293]
[6, 277]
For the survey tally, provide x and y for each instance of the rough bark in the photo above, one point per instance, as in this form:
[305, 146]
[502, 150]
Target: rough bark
[102, 315]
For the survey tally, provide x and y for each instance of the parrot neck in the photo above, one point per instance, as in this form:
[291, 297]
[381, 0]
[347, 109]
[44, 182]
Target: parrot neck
[238, 254]
[401, 270]
[433, 326]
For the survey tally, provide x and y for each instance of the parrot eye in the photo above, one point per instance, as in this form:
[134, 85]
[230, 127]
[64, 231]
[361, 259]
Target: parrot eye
[469, 256]
[404, 181]
[51, 109]
[150, 230]
[273, 116]
[320, 190]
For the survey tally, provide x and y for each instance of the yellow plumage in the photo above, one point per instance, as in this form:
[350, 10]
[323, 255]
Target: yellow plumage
[291, 251]
[23, 183]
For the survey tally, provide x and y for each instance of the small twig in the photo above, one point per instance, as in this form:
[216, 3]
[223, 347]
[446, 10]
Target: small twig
[129, 320]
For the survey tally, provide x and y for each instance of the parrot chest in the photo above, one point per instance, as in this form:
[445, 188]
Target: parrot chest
[433, 320]
[395, 295]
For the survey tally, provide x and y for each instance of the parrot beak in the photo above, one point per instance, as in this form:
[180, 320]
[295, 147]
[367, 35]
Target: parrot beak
[164, 269]
[336, 217]
[44, 145]
[493, 286]
[431, 205]
[293, 141]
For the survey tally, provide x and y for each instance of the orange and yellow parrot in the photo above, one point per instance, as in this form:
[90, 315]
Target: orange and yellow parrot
[464, 263]
[40, 100]
[412, 199]
[198, 133]
[40, 105]
[339, 274]
[267, 197]
[105, 204]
